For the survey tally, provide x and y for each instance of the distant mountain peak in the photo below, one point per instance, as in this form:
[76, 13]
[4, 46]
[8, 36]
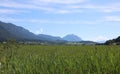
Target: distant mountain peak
[72, 38]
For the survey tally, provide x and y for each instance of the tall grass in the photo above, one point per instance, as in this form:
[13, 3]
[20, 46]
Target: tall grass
[35, 59]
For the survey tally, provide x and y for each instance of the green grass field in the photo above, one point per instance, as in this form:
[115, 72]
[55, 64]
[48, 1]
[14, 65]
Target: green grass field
[36, 59]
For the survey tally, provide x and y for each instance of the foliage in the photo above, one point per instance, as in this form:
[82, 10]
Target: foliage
[35, 59]
[113, 41]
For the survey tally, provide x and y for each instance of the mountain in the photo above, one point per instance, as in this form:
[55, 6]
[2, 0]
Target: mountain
[4, 34]
[11, 31]
[72, 38]
[51, 38]
[115, 41]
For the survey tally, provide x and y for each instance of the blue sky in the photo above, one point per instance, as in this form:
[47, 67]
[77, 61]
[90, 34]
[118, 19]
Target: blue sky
[89, 19]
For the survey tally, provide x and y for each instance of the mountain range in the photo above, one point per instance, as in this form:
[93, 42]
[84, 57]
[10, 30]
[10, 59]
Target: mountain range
[11, 31]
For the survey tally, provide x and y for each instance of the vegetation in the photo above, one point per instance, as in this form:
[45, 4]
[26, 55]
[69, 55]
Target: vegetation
[35, 59]
[113, 41]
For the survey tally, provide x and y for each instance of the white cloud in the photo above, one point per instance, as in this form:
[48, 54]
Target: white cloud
[24, 6]
[66, 22]
[112, 18]
[59, 6]
[38, 31]
[113, 7]
[6, 19]
[65, 11]
[46, 6]
[39, 21]
[11, 11]
[100, 38]
[58, 1]
[45, 21]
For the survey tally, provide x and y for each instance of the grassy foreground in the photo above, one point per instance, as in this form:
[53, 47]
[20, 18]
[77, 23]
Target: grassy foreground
[35, 59]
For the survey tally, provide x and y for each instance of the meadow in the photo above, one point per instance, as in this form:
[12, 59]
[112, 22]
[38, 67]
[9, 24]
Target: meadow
[59, 59]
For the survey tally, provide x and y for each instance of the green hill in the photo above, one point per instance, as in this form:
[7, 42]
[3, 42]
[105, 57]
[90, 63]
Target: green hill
[115, 41]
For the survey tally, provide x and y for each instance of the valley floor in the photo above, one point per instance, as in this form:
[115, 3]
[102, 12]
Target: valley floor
[36, 59]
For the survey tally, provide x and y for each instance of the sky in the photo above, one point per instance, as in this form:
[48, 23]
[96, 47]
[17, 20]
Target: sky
[96, 20]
